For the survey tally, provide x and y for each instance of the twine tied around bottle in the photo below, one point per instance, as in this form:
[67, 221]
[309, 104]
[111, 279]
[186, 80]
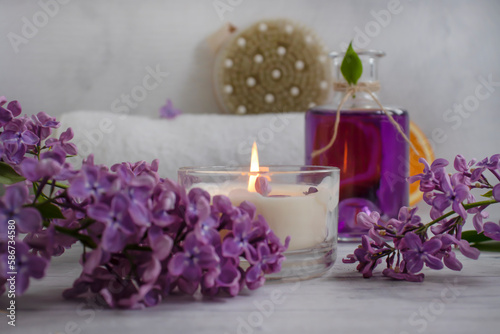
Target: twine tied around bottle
[351, 90]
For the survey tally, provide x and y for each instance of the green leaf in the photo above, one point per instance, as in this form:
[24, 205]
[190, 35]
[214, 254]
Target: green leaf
[8, 175]
[351, 66]
[490, 246]
[474, 237]
[49, 210]
[489, 194]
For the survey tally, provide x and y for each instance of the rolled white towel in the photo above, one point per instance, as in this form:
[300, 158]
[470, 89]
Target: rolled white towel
[189, 139]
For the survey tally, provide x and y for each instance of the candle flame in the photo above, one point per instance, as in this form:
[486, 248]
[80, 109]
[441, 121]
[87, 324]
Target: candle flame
[254, 167]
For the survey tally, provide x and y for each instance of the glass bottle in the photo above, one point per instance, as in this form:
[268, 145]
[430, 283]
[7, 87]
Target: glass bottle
[370, 152]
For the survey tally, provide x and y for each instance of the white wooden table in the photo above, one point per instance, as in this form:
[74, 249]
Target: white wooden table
[340, 302]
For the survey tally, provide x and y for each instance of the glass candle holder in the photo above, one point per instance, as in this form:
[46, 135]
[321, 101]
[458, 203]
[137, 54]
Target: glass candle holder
[302, 203]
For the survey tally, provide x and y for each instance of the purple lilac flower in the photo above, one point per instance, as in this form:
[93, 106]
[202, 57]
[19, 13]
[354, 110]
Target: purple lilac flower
[428, 181]
[365, 255]
[16, 140]
[463, 168]
[27, 219]
[94, 182]
[452, 195]
[228, 279]
[241, 239]
[118, 221]
[144, 235]
[477, 220]
[7, 114]
[168, 111]
[190, 263]
[492, 164]
[52, 164]
[199, 206]
[49, 242]
[162, 210]
[255, 274]
[63, 142]
[26, 265]
[419, 253]
[43, 124]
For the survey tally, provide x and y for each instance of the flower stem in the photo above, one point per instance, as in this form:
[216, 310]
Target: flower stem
[446, 215]
[57, 184]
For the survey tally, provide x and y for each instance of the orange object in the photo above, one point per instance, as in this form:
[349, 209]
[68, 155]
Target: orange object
[421, 143]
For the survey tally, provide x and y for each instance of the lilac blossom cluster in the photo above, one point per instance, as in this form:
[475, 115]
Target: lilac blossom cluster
[407, 244]
[143, 236]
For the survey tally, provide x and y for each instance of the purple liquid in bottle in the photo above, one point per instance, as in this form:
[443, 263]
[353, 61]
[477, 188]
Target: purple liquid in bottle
[373, 161]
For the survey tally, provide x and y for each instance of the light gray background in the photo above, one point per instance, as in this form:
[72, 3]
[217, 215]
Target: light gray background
[93, 51]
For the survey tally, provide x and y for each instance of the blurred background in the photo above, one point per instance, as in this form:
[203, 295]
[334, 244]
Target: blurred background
[441, 64]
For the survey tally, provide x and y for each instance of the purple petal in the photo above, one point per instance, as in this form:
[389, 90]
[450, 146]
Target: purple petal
[451, 261]
[253, 273]
[15, 196]
[92, 261]
[70, 148]
[29, 169]
[66, 135]
[496, 192]
[207, 257]
[229, 275]
[78, 187]
[152, 271]
[460, 163]
[99, 212]
[139, 214]
[477, 221]
[433, 262]
[119, 203]
[438, 163]
[413, 241]
[441, 202]
[459, 208]
[5, 116]
[29, 220]
[15, 108]
[492, 230]
[432, 246]
[113, 239]
[461, 192]
[29, 138]
[476, 174]
[467, 250]
[413, 262]
[177, 264]
[262, 186]
[37, 266]
[160, 243]
[192, 272]
[231, 248]
[249, 208]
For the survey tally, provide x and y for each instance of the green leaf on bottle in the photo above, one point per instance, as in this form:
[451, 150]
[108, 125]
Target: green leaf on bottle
[49, 210]
[8, 175]
[351, 66]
